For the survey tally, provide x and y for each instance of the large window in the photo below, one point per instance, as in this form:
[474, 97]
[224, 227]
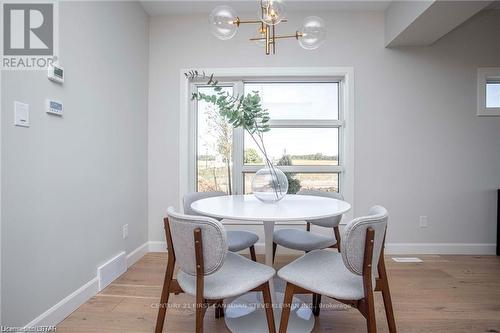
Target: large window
[305, 139]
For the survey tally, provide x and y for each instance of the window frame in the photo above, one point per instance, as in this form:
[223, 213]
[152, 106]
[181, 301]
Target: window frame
[237, 76]
[486, 75]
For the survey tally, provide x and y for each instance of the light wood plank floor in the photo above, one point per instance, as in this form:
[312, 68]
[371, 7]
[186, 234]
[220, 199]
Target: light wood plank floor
[442, 294]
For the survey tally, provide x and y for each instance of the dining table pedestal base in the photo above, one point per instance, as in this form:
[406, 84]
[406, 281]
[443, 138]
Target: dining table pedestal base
[245, 314]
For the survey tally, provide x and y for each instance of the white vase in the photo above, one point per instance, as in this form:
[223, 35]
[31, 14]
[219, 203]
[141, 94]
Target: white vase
[269, 184]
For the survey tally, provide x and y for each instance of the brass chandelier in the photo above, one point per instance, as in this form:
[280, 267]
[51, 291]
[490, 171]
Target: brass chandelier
[224, 23]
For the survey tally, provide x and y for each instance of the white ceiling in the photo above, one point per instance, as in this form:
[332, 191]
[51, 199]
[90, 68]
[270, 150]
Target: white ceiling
[167, 7]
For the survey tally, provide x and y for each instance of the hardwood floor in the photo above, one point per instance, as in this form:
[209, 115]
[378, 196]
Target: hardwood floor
[442, 294]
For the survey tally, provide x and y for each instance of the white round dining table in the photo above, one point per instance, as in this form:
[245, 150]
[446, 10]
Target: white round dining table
[243, 314]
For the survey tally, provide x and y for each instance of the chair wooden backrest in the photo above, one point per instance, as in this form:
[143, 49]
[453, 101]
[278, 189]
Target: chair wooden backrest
[355, 233]
[213, 236]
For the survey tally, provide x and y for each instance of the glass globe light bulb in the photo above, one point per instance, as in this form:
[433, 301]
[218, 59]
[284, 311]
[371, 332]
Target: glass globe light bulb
[223, 22]
[272, 11]
[313, 33]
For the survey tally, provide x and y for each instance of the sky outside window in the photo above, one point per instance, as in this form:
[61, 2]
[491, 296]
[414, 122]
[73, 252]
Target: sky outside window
[493, 95]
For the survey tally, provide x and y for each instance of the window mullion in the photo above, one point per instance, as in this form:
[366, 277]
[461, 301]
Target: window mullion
[193, 142]
[238, 142]
[305, 123]
[299, 168]
[341, 131]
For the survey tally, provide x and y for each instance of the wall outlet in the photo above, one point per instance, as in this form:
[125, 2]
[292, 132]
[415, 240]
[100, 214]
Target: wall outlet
[423, 222]
[125, 231]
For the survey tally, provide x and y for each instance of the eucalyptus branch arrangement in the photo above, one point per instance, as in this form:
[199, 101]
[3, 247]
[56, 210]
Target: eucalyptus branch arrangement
[239, 111]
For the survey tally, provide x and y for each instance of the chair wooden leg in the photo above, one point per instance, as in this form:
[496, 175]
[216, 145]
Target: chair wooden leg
[389, 313]
[268, 303]
[386, 294]
[275, 246]
[371, 323]
[336, 230]
[316, 304]
[252, 253]
[165, 293]
[201, 308]
[319, 304]
[287, 304]
[219, 309]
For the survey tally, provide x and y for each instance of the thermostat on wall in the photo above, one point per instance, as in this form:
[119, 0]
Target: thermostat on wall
[54, 107]
[56, 73]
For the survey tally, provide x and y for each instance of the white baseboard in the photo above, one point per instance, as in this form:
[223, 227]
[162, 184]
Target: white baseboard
[137, 254]
[65, 307]
[157, 246]
[70, 303]
[441, 248]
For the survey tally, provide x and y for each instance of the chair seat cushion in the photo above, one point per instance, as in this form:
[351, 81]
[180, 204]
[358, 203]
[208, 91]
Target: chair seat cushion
[302, 240]
[239, 240]
[324, 272]
[237, 276]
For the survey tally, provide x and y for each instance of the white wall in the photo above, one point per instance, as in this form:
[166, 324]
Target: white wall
[419, 147]
[1, 322]
[70, 183]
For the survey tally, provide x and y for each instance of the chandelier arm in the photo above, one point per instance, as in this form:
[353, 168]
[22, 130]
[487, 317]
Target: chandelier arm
[274, 39]
[268, 40]
[297, 35]
[239, 21]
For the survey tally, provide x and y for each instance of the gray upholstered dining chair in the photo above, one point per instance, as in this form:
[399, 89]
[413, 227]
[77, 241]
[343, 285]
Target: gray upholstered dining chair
[351, 276]
[237, 239]
[207, 270]
[305, 240]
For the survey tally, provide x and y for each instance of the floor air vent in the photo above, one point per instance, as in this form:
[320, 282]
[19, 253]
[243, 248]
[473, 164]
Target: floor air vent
[400, 259]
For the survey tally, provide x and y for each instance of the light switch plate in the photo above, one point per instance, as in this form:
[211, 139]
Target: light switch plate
[423, 222]
[125, 231]
[21, 114]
